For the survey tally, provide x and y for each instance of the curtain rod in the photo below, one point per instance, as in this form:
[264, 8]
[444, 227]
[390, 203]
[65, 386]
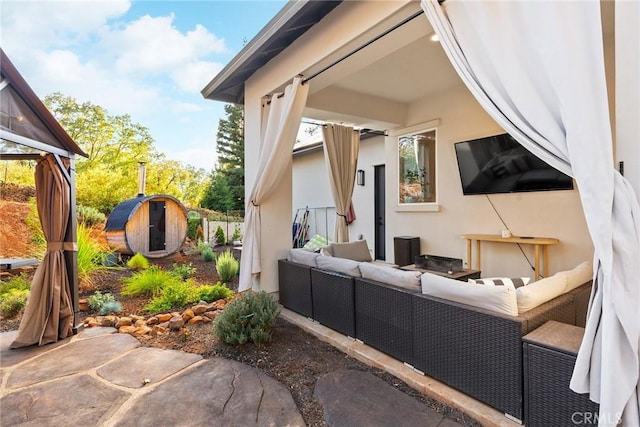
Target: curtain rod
[362, 131]
[378, 37]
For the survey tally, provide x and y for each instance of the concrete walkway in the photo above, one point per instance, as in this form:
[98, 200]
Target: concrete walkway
[100, 377]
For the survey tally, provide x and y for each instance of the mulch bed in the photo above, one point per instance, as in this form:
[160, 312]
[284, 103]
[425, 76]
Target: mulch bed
[293, 357]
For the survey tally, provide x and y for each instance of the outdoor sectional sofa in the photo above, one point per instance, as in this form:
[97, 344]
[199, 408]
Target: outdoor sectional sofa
[475, 350]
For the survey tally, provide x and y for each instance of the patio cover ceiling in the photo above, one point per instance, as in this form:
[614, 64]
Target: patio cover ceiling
[27, 127]
[373, 87]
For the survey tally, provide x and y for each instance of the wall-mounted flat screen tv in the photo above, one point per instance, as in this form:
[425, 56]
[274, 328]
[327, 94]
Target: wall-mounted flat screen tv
[499, 164]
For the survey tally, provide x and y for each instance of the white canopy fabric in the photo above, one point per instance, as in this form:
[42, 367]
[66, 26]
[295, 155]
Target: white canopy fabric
[544, 82]
[278, 136]
[341, 147]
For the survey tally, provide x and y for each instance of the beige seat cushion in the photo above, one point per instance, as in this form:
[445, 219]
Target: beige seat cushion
[302, 256]
[539, 292]
[339, 265]
[579, 275]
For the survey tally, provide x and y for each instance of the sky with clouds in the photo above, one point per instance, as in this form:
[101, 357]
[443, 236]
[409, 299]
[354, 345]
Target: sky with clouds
[149, 59]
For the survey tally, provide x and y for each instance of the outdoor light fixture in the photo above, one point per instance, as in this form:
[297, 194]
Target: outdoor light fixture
[360, 177]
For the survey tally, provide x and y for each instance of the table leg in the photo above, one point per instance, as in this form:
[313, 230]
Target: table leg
[537, 261]
[478, 258]
[469, 253]
[545, 261]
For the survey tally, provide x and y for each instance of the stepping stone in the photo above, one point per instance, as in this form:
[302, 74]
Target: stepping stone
[96, 331]
[143, 363]
[217, 392]
[356, 398]
[10, 357]
[75, 401]
[71, 359]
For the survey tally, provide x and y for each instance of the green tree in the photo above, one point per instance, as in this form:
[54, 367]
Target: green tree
[230, 149]
[218, 196]
[115, 145]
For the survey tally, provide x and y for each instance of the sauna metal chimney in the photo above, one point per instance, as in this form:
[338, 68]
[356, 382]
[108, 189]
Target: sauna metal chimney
[142, 178]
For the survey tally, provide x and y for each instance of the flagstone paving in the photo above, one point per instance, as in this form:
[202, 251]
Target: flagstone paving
[99, 377]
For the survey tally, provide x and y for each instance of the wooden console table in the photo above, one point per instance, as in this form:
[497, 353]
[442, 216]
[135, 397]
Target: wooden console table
[538, 242]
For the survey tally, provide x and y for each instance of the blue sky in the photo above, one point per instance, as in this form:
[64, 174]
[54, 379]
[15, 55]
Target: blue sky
[149, 59]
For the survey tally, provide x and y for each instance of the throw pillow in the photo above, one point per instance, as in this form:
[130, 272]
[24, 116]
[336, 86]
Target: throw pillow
[581, 274]
[515, 282]
[391, 276]
[356, 251]
[316, 242]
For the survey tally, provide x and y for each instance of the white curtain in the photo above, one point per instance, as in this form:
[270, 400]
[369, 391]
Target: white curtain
[538, 69]
[341, 146]
[278, 137]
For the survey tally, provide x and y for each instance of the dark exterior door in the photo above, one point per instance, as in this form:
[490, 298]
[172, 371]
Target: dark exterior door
[157, 241]
[379, 212]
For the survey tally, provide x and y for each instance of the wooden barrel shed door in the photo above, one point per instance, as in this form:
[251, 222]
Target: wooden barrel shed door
[157, 241]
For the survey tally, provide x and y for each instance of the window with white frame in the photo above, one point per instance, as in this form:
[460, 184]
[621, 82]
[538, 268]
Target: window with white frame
[417, 167]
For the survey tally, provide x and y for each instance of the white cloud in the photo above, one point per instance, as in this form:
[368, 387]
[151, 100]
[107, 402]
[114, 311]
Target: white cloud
[44, 24]
[200, 157]
[195, 75]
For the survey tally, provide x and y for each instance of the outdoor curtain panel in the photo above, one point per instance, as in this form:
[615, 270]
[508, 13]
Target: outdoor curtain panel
[279, 130]
[48, 315]
[545, 85]
[341, 146]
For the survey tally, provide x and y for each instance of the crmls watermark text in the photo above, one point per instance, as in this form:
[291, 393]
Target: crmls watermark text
[593, 418]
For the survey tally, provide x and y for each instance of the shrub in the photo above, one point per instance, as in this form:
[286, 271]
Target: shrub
[251, 317]
[211, 293]
[192, 225]
[236, 234]
[13, 302]
[138, 262]
[219, 236]
[17, 283]
[149, 282]
[91, 254]
[184, 271]
[175, 294]
[104, 303]
[89, 216]
[208, 254]
[226, 266]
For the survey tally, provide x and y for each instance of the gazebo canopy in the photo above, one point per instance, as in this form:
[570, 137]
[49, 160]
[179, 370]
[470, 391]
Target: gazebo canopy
[27, 127]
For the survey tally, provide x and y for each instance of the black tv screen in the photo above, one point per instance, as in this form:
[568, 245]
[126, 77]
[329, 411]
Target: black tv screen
[499, 164]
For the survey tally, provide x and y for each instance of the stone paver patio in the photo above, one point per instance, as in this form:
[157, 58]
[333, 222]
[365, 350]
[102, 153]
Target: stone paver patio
[99, 377]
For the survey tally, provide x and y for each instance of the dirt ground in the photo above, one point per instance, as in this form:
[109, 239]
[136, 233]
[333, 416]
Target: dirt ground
[293, 357]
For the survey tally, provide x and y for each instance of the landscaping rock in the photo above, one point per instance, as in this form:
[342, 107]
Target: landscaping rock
[199, 309]
[139, 323]
[176, 323]
[158, 330]
[195, 320]
[164, 317]
[219, 304]
[128, 329]
[141, 330]
[206, 320]
[164, 324]
[83, 304]
[210, 315]
[153, 320]
[124, 321]
[135, 318]
[108, 321]
[91, 322]
[187, 315]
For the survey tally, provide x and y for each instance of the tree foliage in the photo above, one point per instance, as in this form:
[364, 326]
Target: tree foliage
[115, 145]
[218, 195]
[230, 149]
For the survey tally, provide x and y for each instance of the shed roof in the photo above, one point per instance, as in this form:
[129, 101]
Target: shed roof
[27, 127]
[120, 215]
[295, 18]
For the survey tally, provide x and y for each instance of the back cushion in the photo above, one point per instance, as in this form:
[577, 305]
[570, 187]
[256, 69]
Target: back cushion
[539, 292]
[391, 276]
[302, 256]
[501, 299]
[357, 250]
[580, 274]
[339, 265]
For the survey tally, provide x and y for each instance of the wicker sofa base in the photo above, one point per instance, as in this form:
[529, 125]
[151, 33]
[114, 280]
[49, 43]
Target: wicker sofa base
[476, 351]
